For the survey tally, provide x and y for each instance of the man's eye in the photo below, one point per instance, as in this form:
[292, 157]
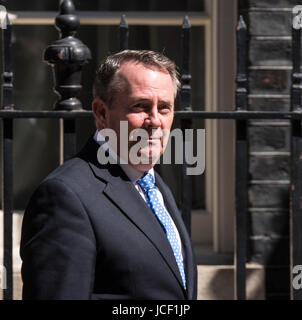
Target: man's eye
[139, 106]
[164, 107]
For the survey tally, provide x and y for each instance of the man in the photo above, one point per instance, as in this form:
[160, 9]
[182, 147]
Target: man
[97, 230]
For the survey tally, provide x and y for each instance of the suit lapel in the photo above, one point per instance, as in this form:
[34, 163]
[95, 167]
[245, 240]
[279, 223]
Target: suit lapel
[125, 196]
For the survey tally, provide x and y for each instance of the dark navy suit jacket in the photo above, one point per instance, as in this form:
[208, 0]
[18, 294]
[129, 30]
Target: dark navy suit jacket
[88, 234]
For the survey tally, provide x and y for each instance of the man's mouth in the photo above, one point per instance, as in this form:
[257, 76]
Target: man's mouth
[153, 138]
[150, 139]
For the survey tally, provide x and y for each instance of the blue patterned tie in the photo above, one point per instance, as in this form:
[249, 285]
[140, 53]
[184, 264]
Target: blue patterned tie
[148, 186]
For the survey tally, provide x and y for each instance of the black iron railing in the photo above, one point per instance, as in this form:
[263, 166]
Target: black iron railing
[241, 165]
[7, 162]
[67, 63]
[296, 160]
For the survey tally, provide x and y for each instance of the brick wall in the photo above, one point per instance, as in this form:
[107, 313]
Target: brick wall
[269, 76]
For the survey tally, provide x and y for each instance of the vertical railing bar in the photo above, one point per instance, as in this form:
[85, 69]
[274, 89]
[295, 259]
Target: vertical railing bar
[7, 164]
[124, 33]
[69, 138]
[7, 199]
[241, 166]
[296, 163]
[185, 104]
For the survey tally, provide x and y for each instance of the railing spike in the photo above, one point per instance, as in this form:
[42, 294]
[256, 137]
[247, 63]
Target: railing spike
[186, 23]
[185, 94]
[67, 56]
[123, 23]
[241, 23]
[67, 22]
[7, 85]
[124, 33]
[241, 79]
[7, 20]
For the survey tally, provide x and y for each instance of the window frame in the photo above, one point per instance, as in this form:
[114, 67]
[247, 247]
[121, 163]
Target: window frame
[205, 222]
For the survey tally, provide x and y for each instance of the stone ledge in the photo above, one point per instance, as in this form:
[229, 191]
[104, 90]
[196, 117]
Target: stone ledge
[214, 283]
[217, 282]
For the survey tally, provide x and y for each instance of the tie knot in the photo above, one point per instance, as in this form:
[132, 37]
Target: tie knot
[146, 182]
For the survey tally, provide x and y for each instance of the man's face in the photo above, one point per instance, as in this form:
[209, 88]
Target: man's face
[146, 101]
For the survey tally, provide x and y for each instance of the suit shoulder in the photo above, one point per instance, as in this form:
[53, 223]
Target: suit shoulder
[75, 174]
[70, 171]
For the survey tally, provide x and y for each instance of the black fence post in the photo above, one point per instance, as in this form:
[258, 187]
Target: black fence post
[241, 166]
[124, 33]
[296, 164]
[185, 103]
[67, 57]
[7, 164]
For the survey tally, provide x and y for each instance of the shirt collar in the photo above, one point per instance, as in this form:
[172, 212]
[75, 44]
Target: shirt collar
[130, 171]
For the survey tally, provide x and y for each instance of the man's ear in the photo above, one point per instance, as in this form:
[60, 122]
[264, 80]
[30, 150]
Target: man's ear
[100, 110]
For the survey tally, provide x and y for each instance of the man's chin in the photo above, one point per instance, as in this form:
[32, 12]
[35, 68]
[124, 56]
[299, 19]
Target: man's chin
[143, 167]
[146, 163]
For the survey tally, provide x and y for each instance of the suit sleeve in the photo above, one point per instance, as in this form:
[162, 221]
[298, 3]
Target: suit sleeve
[57, 245]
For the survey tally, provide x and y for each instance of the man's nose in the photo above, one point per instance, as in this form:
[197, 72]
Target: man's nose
[153, 119]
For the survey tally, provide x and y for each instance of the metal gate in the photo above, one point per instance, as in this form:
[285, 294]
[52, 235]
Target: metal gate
[67, 61]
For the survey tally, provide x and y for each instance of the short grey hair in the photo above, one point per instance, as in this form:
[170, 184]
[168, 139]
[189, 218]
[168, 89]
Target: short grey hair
[105, 87]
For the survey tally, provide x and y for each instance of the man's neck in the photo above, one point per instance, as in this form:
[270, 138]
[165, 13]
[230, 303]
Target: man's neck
[132, 173]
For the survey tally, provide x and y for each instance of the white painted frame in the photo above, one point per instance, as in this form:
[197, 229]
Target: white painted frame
[214, 227]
